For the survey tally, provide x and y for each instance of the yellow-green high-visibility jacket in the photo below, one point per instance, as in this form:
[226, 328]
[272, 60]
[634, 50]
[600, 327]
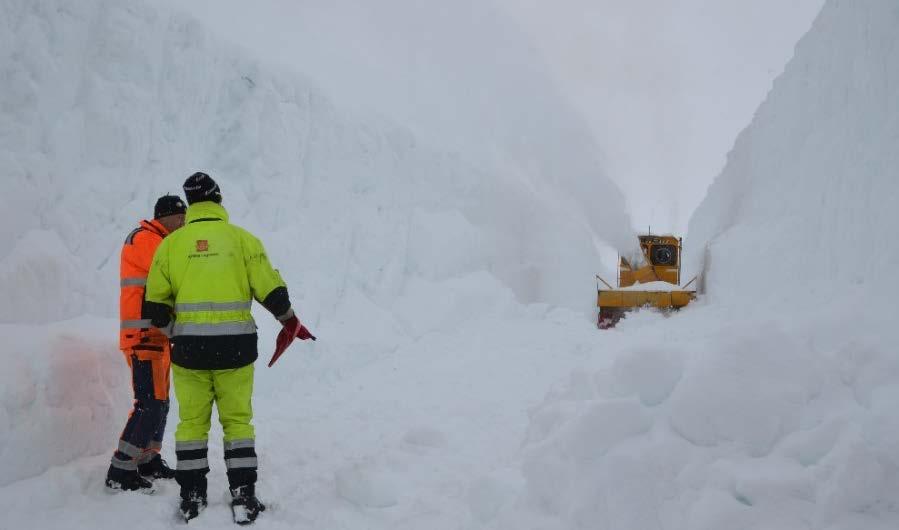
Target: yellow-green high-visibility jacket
[208, 273]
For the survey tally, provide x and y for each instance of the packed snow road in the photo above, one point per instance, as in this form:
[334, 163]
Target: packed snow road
[423, 434]
[529, 418]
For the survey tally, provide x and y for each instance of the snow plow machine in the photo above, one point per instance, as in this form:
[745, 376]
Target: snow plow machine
[651, 280]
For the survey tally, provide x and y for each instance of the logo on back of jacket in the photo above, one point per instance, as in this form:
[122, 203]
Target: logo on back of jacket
[202, 250]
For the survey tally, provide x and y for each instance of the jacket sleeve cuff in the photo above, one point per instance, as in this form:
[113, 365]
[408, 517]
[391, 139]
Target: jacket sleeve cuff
[160, 315]
[286, 316]
[277, 302]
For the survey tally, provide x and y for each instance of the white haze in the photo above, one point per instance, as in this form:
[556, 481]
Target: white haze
[663, 86]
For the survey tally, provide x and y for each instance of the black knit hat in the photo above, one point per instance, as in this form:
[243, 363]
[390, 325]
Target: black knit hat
[200, 187]
[168, 205]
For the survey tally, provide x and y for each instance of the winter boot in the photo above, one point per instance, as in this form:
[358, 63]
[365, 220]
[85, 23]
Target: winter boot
[156, 468]
[192, 505]
[122, 480]
[245, 507]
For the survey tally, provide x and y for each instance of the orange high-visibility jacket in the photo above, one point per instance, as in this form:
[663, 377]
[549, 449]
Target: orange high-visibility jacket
[137, 335]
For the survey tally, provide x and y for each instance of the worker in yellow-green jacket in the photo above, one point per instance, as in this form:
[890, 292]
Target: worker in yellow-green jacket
[200, 287]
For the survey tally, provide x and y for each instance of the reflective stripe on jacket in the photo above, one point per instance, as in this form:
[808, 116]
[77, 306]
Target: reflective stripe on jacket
[136, 258]
[208, 273]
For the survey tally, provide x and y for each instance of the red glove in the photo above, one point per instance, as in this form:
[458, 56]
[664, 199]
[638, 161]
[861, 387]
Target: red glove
[292, 329]
[303, 333]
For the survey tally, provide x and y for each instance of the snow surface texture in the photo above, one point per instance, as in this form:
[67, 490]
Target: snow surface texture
[107, 105]
[667, 86]
[770, 403]
[655, 80]
[383, 240]
[808, 198]
[425, 404]
[463, 76]
[62, 394]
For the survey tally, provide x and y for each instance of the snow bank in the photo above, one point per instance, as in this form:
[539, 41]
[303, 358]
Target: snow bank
[108, 104]
[770, 402]
[488, 96]
[62, 394]
[807, 201]
[703, 424]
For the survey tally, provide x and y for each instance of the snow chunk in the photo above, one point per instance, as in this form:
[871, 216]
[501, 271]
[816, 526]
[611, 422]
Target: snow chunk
[553, 468]
[749, 390]
[650, 373]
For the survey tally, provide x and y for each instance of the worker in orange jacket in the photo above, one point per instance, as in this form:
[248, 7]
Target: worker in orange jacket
[147, 352]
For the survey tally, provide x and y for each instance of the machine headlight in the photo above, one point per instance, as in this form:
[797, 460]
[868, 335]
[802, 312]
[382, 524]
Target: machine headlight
[664, 255]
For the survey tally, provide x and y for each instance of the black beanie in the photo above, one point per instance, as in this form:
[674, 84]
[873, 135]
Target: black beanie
[200, 187]
[168, 205]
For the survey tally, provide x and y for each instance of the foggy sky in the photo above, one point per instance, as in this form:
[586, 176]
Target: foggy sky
[665, 86]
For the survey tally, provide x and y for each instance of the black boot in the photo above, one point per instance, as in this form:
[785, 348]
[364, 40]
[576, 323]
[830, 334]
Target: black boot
[245, 507]
[122, 480]
[192, 504]
[156, 468]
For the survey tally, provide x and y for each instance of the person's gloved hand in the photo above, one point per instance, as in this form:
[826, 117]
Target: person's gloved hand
[292, 329]
[303, 333]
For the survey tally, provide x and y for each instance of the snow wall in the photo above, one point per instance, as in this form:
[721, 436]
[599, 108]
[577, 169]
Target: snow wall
[771, 402]
[807, 202]
[108, 104]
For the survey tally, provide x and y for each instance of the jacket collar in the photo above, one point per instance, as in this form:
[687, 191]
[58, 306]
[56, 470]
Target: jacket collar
[155, 227]
[206, 210]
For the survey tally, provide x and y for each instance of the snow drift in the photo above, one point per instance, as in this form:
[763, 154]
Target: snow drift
[770, 403]
[109, 104]
[808, 199]
[106, 105]
[62, 395]
[411, 264]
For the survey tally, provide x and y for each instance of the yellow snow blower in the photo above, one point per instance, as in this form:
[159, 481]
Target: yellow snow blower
[648, 280]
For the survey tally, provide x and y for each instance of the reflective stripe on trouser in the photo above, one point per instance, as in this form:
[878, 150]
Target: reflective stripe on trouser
[192, 455]
[153, 449]
[240, 454]
[130, 450]
[142, 436]
[231, 391]
[190, 473]
[142, 456]
[128, 464]
[241, 462]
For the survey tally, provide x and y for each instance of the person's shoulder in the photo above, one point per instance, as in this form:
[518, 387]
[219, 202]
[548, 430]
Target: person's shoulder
[243, 232]
[141, 237]
[170, 238]
[129, 239]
